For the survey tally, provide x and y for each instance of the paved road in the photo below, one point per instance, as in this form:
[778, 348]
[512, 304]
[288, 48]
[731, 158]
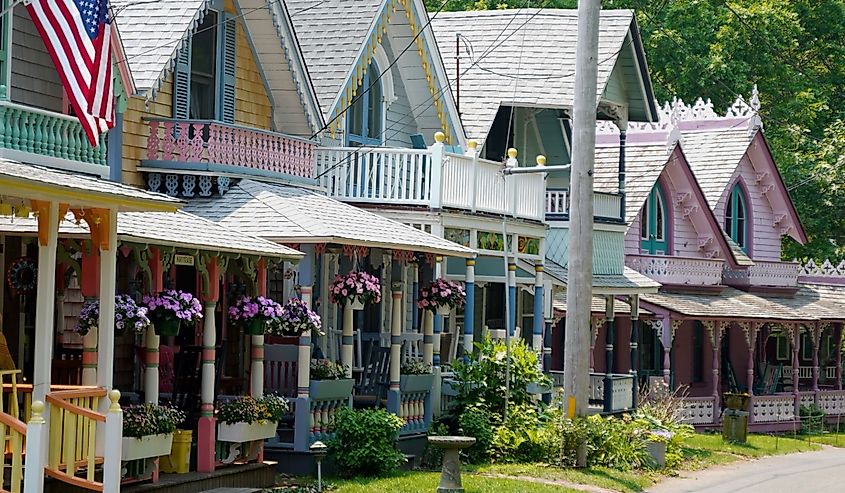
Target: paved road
[809, 472]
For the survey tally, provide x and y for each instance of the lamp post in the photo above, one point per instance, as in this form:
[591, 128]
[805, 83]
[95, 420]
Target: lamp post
[319, 450]
[512, 169]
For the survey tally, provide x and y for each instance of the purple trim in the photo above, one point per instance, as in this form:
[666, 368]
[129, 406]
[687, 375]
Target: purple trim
[669, 211]
[749, 212]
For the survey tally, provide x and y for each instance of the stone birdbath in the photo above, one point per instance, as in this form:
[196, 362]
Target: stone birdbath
[450, 475]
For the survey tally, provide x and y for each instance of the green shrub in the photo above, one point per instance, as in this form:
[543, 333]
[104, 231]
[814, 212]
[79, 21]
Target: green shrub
[432, 457]
[525, 437]
[812, 419]
[617, 443]
[481, 380]
[662, 418]
[476, 422]
[364, 442]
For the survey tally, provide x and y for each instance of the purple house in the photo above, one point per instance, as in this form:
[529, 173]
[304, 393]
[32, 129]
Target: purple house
[707, 211]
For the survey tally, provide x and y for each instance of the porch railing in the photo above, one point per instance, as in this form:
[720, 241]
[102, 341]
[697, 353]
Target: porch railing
[74, 428]
[777, 274]
[13, 432]
[699, 410]
[33, 130]
[428, 178]
[772, 408]
[677, 270]
[202, 144]
[413, 410]
[606, 206]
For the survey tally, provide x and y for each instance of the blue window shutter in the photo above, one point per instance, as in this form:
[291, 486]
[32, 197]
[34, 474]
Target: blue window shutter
[182, 82]
[228, 51]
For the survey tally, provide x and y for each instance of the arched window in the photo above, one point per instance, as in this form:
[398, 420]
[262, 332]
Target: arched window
[736, 217]
[364, 118]
[654, 224]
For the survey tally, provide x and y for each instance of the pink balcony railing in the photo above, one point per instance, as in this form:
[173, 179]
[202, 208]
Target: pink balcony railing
[216, 143]
[677, 270]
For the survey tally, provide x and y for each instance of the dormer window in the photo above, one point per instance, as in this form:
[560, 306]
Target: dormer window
[654, 227]
[736, 217]
[364, 117]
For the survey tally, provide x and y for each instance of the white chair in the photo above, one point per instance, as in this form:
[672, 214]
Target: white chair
[411, 346]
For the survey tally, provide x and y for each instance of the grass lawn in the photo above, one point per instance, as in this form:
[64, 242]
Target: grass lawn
[832, 439]
[414, 482]
[702, 451]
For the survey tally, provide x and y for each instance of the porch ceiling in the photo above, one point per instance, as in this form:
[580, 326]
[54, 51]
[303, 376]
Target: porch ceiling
[806, 306]
[26, 181]
[288, 214]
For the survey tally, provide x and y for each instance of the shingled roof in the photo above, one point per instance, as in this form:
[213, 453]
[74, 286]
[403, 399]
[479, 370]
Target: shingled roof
[526, 57]
[288, 214]
[331, 34]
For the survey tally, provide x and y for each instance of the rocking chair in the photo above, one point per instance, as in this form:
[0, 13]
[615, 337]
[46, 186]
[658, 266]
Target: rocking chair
[371, 390]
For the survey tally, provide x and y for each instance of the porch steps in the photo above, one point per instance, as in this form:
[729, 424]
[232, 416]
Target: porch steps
[231, 490]
[240, 478]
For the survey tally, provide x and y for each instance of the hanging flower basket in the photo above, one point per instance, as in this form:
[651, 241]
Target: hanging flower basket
[255, 314]
[295, 320]
[169, 309]
[357, 289]
[127, 315]
[441, 296]
[23, 276]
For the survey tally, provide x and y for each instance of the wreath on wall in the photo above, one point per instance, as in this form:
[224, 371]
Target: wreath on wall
[23, 276]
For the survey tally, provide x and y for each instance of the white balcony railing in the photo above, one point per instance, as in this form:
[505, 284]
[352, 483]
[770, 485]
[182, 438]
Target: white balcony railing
[606, 206]
[428, 178]
[677, 270]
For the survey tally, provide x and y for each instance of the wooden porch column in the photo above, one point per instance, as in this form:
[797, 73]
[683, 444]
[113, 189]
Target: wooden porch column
[153, 340]
[48, 232]
[206, 427]
[510, 323]
[90, 287]
[428, 332]
[469, 309]
[438, 319]
[346, 339]
[837, 337]
[394, 397]
[537, 339]
[714, 330]
[816, 335]
[256, 354]
[796, 373]
[634, 345]
[306, 280]
[107, 238]
[610, 339]
[596, 325]
[750, 330]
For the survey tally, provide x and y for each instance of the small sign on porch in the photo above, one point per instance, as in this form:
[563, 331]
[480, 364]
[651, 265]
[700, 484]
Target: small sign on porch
[183, 260]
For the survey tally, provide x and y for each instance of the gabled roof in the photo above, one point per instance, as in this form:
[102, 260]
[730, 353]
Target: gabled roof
[643, 166]
[338, 38]
[526, 58]
[630, 281]
[331, 33]
[288, 214]
[152, 32]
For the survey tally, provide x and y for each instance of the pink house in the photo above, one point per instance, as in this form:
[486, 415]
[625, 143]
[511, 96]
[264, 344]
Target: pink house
[706, 212]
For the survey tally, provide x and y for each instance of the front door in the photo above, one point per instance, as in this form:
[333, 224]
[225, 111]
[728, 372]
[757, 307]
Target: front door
[653, 229]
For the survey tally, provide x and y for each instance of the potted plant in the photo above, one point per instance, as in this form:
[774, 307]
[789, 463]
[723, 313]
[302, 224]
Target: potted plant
[127, 315]
[249, 419]
[441, 296]
[656, 442]
[255, 314]
[356, 288]
[329, 381]
[295, 319]
[148, 430]
[170, 308]
[415, 376]
[736, 401]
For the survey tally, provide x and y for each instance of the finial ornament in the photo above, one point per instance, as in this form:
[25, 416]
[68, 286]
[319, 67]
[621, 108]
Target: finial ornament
[541, 160]
[114, 397]
[512, 153]
[755, 99]
[439, 137]
[472, 144]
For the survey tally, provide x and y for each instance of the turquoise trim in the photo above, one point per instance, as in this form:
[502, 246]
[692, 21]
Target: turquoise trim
[363, 139]
[57, 136]
[654, 228]
[736, 217]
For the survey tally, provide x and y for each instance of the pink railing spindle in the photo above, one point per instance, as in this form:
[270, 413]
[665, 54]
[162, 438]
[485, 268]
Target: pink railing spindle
[169, 141]
[153, 141]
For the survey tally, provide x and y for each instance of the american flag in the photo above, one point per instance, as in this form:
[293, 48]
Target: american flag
[77, 34]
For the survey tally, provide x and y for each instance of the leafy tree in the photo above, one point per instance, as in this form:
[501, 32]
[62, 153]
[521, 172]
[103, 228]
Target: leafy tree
[792, 50]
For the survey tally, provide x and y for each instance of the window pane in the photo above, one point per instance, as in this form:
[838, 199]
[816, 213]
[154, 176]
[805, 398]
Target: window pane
[356, 118]
[644, 221]
[740, 232]
[375, 104]
[204, 69]
[659, 233]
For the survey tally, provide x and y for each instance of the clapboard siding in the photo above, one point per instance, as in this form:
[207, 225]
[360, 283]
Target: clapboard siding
[399, 122]
[684, 241]
[632, 237]
[252, 105]
[34, 81]
[136, 131]
[766, 239]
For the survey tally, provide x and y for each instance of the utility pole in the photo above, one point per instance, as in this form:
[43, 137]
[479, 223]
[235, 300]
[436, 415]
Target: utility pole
[580, 282]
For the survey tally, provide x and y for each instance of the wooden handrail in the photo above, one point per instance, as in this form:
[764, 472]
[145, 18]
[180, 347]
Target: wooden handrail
[73, 480]
[79, 392]
[26, 388]
[67, 406]
[13, 423]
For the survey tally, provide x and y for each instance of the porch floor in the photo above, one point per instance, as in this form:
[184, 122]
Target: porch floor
[247, 476]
